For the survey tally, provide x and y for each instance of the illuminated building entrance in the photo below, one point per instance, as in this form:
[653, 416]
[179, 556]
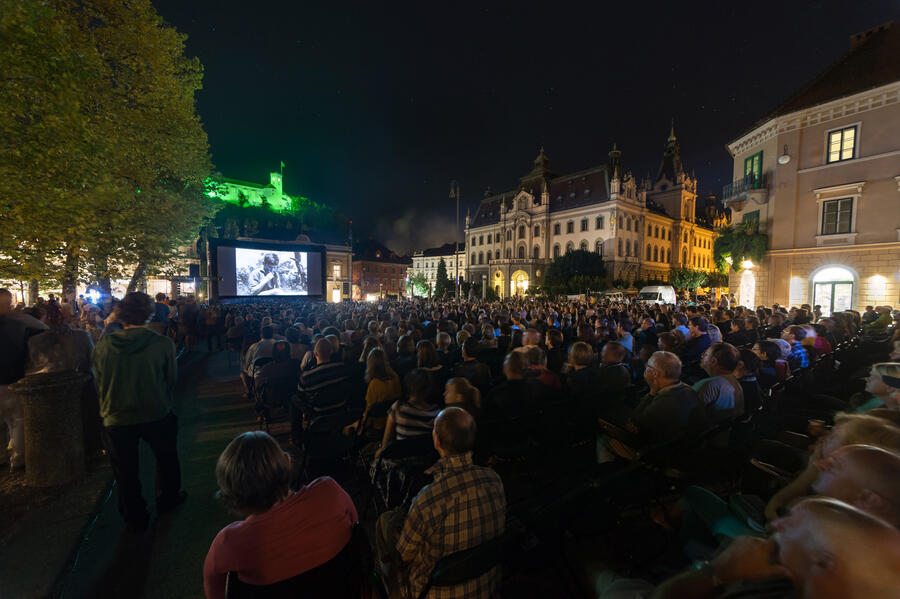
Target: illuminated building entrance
[497, 282]
[747, 290]
[833, 289]
[518, 283]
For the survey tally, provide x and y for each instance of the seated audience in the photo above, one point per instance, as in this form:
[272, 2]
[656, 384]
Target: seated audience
[721, 392]
[464, 507]
[671, 409]
[413, 416]
[459, 392]
[283, 534]
[864, 476]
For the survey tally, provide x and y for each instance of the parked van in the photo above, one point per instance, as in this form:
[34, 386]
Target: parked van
[657, 294]
[613, 295]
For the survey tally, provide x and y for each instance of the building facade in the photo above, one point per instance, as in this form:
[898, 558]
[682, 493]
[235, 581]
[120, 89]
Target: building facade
[426, 262]
[377, 271]
[820, 175]
[642, 230]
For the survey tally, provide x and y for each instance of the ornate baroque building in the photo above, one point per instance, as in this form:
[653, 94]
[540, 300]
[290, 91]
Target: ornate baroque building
[642, 230]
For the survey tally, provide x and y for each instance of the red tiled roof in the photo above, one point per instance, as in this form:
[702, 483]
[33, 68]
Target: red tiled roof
[872, 61]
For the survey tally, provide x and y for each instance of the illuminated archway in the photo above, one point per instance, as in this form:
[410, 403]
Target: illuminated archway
[518, 283]
[833, 288]
[747, 290]
[497, 282]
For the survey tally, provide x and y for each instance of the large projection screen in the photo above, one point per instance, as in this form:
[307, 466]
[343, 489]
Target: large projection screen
[266, 270]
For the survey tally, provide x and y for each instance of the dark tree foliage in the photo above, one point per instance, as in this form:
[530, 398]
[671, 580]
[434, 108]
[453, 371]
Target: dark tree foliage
[575, 272]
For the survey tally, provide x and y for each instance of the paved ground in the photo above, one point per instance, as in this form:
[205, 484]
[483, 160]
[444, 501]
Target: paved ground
[167, 560]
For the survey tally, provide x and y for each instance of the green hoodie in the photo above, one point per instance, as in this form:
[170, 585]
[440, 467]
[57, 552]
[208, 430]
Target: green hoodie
[135, 371]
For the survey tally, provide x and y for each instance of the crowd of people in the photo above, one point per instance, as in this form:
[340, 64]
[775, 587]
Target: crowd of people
[618, 395]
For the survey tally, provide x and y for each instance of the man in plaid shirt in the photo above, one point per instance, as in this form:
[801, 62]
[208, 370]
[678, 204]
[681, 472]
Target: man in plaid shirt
[464, 507]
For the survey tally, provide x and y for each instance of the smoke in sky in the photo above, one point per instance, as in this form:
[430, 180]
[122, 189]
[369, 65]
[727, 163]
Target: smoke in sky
[417, 229]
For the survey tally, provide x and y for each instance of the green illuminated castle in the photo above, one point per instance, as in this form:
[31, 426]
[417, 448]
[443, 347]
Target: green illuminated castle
[245, 193]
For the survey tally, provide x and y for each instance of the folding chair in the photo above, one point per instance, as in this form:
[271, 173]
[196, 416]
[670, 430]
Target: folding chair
[463, 566]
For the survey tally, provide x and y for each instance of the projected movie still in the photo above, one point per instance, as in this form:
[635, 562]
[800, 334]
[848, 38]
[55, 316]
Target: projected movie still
[269, 272]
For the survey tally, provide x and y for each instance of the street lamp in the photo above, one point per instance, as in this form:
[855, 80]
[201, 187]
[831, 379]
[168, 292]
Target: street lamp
[454, 194]
[483, 287]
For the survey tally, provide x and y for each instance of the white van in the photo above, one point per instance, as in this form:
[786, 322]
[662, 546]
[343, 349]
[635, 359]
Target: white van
[613, 295]
[657, 294]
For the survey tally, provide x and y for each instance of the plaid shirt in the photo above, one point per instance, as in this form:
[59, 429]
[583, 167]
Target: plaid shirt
[464, 507]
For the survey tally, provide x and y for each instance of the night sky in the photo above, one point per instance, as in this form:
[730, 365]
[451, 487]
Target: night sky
[375, 109]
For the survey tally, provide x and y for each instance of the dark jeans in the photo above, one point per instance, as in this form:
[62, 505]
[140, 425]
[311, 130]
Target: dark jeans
[122, 445]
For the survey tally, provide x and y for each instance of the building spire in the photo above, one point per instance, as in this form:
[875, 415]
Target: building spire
[672, 131]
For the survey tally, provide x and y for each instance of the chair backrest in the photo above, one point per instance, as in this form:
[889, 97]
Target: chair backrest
[462, 566]
[418, 446]
[324, 437]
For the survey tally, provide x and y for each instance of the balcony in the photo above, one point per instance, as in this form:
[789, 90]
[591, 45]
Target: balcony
[750, 187]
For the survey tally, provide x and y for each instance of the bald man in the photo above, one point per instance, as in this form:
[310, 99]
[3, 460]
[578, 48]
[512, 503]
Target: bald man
[823, 549]
[864, 476]
[464, 507]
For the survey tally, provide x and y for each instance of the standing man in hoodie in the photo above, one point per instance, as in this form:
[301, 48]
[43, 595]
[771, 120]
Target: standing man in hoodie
[135, 371]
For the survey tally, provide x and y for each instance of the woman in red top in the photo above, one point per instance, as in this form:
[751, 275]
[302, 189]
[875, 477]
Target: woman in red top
[283, 534]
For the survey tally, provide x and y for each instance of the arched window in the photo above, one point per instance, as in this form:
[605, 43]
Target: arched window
[685, 238]
[497, 255]
[628, 224]
[620, 248]
[570, 247]
[669, 234]
[537, 230]
[627, 248]
[473, 258]
[537, 252]
[656, 254]
[507, 254]
[508, 234]
[656, 232]
[649, 230]
[480, 257]
[583, 247]
[598, 247]
[488, 257]
[556, 251]
[684, 256]
[649, 253]
[521, 252]
[521, 232]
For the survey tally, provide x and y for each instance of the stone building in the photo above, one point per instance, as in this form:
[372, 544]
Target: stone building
[642, 230]
[377, 271]
[820, 175]
[247, 193]
[426, 262]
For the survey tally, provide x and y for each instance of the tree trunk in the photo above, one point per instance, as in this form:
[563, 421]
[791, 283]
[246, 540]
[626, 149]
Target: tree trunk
[32, 291]
[70, 274]
[137, 277]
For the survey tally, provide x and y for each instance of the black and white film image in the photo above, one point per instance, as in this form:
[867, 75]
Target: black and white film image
[265, 272]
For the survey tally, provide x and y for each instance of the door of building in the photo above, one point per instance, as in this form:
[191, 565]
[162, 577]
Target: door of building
[833, 296]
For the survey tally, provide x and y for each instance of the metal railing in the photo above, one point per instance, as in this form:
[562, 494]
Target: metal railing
[745, 184]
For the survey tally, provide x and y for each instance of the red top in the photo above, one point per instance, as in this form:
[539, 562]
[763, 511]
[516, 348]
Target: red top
[304, 531]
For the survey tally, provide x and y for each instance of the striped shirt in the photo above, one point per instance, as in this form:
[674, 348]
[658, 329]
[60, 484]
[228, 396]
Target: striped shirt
[411, 420]
[464, 507]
